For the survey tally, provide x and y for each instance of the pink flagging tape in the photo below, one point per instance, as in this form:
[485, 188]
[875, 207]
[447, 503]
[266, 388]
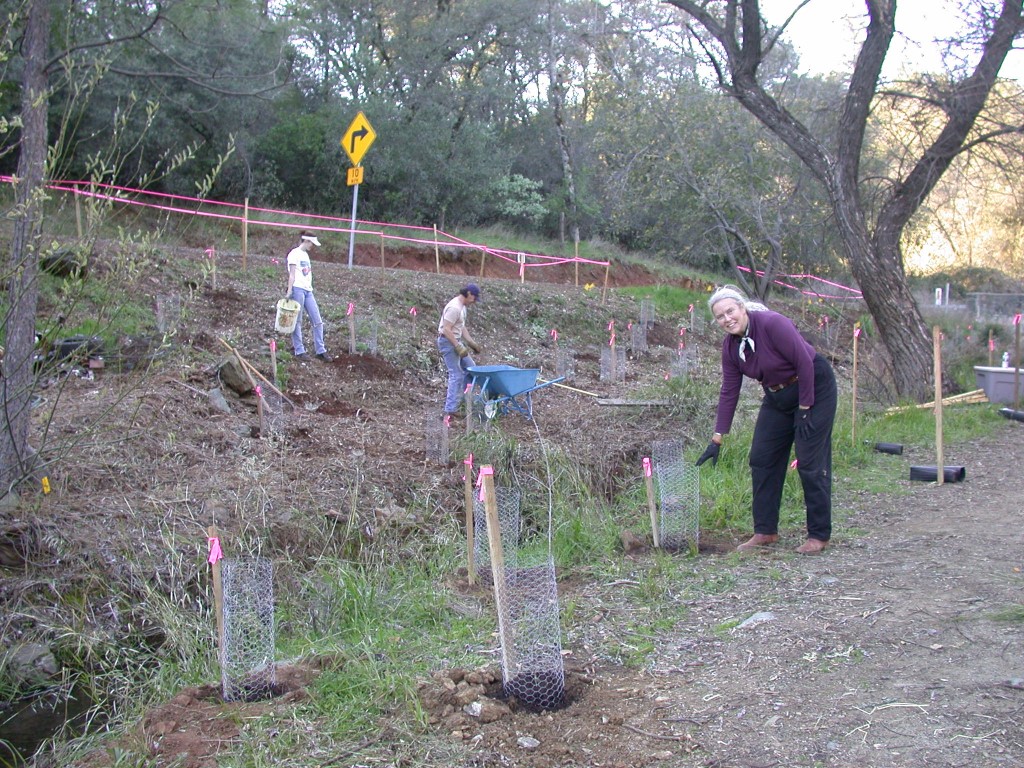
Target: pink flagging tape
[412, 311]
[273, 345]
[351, 308]
[215, 551]
[485, 470]
[554, 334]
[647, 466]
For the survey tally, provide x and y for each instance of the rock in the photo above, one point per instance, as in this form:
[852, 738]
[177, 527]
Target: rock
[32, 665]
[473, 709]
[217, 401]
[758, 618]
[469, 694]
[527, 742]
[234, 377]
[492, 710]
[632, 543]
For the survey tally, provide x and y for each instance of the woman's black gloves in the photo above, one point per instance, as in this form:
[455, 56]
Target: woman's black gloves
[802, 423]
[711, 452]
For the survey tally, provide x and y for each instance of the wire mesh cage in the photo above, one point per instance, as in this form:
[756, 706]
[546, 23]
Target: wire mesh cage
[248, 671]
[638, 338]
[679, 495]
[168, 313]
[276, 414]
[531, 645]
[685, 363]
[436, 432]
[698, 324]
[613, 364]
[366, 335]
[510, 523]
[565, 363]
[647, 313]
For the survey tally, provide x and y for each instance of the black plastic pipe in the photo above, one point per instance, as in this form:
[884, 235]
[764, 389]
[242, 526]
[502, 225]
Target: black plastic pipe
[930, 474]
[1012, 414]
[894, 448]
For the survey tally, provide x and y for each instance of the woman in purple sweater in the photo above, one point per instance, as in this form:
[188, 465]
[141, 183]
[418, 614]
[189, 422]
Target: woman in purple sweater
[799, 406]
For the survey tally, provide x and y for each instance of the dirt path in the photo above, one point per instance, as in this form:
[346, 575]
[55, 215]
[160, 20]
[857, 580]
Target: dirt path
[883, 652]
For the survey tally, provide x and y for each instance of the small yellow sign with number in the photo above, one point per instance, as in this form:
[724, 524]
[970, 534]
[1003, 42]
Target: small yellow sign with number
[355, 175]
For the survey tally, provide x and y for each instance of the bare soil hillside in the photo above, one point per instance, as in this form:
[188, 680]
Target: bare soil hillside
[890, 649]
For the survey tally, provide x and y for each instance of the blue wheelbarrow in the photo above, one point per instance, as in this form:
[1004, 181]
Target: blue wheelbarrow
[503, 388]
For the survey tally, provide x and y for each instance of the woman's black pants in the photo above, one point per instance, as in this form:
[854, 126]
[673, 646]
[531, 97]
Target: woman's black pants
[774, 436]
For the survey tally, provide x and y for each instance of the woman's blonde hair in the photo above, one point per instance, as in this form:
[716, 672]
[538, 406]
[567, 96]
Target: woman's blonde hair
[732, 292]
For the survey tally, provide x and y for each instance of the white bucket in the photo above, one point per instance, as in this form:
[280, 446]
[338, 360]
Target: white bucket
[287, 315]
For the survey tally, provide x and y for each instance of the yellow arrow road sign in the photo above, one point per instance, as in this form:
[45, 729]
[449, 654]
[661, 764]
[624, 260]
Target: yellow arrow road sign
[358, 138]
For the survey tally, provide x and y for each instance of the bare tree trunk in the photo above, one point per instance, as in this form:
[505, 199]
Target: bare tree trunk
[23, 266]
[873, 249]
[556, 96]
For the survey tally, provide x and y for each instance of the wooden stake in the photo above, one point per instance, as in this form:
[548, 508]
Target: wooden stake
[351, 329]
[273, 358]
[494, 543]
[245, 232]
[78, 214]
[467, 488]
[218, 592]
[483, 260]
[939, 457]
[437, 252]
[576, 262]
[1016, 362]
[382, 253]
[853, 411]
[604, 292]
[469, 408]
[651, 505]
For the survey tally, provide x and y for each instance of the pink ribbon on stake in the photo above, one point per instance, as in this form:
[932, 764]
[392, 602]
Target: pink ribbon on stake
[215, 551]
[554, 334]
[351, 308]
[468, 463]
[991, 345]
[611, 341]
[647, 466]
[412, 311]
[259, 391]
[273, 345]
[488, 470]
[1016, 319]
[856, 333]
[611, 325]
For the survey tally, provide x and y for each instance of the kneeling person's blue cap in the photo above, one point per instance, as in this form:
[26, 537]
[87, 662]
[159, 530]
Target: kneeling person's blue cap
[474, 289]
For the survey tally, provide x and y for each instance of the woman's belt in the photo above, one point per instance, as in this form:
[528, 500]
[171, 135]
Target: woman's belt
[783, 385]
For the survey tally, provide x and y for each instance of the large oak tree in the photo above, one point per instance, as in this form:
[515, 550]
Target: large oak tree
[737, 41]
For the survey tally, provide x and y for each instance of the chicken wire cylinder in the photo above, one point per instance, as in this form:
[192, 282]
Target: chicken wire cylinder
[531, 645]
[436, 433]
[647, 313]
[638, 334]
[510, 524]
[679, 497]
[168, 313]
[276, 413]
[565, 363]
[247, 656]
[613, 364]
[684, 364]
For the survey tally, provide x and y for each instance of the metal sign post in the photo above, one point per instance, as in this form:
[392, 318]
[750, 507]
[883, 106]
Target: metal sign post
[357, 139]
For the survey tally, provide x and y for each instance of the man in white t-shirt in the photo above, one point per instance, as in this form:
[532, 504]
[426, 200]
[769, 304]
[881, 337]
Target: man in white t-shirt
[300, 289]
[454, 342]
